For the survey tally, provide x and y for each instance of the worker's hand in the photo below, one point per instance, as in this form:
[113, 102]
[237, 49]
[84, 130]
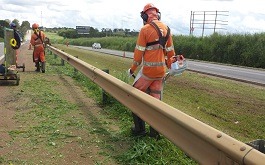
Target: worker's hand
[130, 73]
[180, 57]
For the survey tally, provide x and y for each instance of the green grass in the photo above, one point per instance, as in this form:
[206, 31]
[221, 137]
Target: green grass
[40, 118]
[143, 150]
[233, 107]
[54, 37]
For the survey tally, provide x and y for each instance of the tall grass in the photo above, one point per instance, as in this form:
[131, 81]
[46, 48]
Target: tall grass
[236, 49]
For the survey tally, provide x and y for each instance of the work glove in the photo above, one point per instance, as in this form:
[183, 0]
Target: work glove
[130, 73]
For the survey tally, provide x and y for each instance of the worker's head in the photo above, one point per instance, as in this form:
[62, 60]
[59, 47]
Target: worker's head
[12, 25]
[150, 13]
[35, 26]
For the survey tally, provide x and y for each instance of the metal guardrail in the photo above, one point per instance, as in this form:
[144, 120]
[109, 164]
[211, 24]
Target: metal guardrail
[203, 143]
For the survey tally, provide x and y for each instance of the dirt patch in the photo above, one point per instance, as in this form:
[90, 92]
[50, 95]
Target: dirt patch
[76, 146]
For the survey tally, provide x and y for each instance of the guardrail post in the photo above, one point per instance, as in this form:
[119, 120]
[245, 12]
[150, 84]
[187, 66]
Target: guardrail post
[62, 62]
[75, 70]
[49, 51]
[104, 94]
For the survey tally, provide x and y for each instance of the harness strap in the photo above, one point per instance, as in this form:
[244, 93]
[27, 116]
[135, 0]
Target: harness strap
[38, 36]
[162, 40]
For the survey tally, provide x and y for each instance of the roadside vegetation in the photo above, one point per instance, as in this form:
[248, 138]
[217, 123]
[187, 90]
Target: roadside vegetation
[234, 49]
[138, 150]
[232, 107]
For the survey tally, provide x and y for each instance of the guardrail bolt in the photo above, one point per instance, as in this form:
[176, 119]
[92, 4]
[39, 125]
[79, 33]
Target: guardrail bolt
[243, 148]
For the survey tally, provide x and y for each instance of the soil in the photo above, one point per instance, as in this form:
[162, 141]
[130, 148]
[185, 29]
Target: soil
[11, 105]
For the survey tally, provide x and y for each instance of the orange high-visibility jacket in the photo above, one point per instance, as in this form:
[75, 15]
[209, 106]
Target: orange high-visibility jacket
[152, 57]
[37, 40]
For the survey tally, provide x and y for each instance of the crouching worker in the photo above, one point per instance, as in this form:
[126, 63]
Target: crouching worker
[37, 39]
[154, 45]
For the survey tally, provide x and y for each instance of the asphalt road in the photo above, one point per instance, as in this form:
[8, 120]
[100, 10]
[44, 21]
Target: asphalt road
[249, 75]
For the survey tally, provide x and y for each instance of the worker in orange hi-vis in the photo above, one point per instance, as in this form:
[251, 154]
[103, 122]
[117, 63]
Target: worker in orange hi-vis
[155, 53]
[37, 41]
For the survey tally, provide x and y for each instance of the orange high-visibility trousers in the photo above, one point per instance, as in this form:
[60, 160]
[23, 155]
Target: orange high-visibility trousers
[38, 54]
[152, 87]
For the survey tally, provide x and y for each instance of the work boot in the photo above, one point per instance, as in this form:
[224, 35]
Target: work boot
[154, 134]
[43, 67]
[37, 65]
[139, 126]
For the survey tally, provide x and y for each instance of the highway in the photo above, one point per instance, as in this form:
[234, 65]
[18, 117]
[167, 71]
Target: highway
[249, 75]
[244, 74]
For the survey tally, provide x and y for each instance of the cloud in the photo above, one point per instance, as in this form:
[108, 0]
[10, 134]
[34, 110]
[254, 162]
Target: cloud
[243, 15]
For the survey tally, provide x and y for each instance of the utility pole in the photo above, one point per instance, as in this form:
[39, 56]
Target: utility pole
[41, 18]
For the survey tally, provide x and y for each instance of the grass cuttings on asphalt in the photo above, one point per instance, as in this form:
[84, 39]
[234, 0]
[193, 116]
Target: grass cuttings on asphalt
[232, 107]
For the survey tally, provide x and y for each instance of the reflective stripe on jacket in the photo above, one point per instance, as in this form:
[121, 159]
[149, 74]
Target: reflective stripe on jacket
[153, 56]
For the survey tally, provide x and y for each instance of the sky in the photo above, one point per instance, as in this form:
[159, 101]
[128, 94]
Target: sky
[233, 16]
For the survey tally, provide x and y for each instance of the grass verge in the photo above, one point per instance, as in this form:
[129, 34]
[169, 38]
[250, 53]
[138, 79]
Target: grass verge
[139, 150]
[232, 107]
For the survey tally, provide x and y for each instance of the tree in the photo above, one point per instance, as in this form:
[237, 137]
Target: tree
[16, 21]
[68, 33]
[3, 24]
[25, 26]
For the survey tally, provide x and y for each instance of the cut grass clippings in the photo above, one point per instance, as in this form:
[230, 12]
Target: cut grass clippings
[232, 107]
[154, 152]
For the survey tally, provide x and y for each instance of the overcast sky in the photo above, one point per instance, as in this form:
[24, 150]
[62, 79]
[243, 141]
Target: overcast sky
[243, 16]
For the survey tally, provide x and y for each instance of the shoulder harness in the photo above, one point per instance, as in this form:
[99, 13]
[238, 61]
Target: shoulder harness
[162, 39]
[38, 36]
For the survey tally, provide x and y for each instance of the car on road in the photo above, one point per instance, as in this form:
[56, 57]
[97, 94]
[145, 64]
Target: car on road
[96, 46]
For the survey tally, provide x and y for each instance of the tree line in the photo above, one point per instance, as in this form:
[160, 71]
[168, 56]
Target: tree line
[22, 28]
[93, 32]
[236, 49]
[67, 32]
